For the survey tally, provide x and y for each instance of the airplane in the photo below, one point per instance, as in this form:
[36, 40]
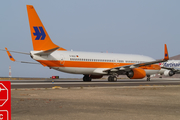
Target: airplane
[170, 68]
[92, 65]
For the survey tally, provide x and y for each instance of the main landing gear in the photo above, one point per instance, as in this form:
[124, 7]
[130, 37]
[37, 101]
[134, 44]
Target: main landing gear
[112, 78]
[148, 77]
[86, 78]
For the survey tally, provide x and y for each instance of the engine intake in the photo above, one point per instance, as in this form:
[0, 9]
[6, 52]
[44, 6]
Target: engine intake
[169, 73]
[136, 73]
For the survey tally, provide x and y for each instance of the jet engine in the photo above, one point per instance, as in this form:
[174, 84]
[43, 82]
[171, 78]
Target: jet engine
[136, 73]
[169, 73]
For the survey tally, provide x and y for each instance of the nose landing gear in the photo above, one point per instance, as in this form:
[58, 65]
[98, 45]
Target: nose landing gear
[148, 77]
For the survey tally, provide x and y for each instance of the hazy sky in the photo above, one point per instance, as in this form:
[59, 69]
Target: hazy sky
[118, 26]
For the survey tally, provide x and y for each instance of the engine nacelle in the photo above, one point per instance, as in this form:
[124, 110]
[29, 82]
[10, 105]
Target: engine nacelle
[169, 73]
[96, 76]
[136, 73]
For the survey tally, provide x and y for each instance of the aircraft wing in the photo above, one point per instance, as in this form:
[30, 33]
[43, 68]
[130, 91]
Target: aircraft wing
[129, 67]
[12, 59]
[15, 51]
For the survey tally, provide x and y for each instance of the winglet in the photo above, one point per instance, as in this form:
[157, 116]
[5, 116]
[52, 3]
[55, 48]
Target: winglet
[9, 54]
[166, 55]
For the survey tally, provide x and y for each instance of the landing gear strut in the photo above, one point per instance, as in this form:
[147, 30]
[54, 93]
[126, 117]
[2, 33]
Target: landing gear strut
[148, 77]
[112, 78]
[86, 78]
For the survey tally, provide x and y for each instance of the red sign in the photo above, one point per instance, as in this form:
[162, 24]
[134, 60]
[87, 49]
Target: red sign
[5, 100]
[55, 77]
[4, 115]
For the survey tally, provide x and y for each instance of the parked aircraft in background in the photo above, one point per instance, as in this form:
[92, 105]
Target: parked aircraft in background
[92, 65]
[170, 67]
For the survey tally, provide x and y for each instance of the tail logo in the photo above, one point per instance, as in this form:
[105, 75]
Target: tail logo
[39, 33]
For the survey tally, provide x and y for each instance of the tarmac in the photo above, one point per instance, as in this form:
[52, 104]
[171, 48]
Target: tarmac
[35, 83]
[99, 103]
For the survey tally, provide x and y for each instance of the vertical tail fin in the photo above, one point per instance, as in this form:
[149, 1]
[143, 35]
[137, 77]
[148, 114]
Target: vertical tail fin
[40, 37]
[166, 55]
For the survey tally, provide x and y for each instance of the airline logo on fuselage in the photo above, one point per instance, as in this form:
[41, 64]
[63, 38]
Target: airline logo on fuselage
[39, 33]
[170, 65]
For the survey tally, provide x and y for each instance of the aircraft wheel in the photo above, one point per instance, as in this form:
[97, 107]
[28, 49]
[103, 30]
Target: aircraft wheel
[112, 78]
[109, 79]
[148, 78]
[86, 78]
[115, 79]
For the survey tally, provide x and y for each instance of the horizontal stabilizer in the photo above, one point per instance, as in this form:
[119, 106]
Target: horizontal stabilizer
[47, 52]
[28, 62]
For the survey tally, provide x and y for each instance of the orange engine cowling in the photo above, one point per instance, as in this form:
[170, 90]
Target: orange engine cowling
[136, 73]
[96, 76]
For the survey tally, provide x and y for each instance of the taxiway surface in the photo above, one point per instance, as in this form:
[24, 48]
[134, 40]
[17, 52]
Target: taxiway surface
[97, 103]
[94, 83]
[99, 99]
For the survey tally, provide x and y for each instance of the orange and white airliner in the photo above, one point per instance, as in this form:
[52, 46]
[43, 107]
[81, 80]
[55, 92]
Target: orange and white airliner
[91, 65]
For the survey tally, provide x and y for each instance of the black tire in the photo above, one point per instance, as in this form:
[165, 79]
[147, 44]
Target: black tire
[109, 78]
[86, 78]
[148, 79]
[112, 79]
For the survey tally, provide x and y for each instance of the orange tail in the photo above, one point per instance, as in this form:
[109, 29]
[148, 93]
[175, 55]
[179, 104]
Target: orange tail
[40, 37]
[166, 55]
